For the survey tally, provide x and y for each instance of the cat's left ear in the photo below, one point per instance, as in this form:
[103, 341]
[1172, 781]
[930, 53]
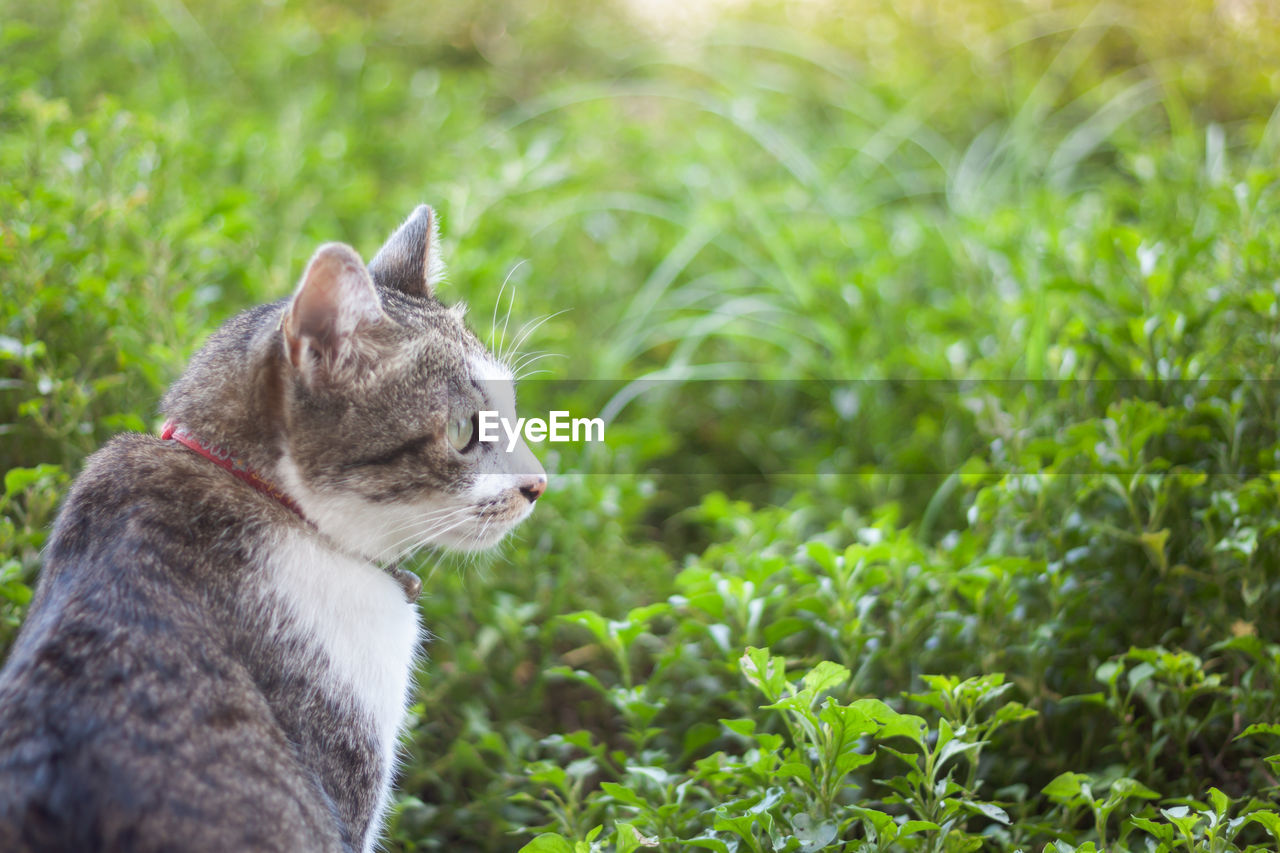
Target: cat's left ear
[410, 261]
[334, 300]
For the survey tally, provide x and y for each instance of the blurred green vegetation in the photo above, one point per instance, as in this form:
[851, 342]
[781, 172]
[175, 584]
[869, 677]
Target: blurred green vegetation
[1007, 273]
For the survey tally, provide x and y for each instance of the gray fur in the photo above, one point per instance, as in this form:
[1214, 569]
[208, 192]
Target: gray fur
[159, 696]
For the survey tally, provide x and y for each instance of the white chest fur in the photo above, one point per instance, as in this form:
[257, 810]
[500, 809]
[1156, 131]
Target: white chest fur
[356, 615]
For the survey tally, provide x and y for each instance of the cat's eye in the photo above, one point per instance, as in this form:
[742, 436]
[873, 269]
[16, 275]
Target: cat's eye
[462, 433]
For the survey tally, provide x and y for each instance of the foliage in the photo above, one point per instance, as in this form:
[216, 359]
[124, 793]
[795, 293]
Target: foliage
[939, 345]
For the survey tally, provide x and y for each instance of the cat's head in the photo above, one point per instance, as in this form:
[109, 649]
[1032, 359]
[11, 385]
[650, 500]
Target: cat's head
[382, 386]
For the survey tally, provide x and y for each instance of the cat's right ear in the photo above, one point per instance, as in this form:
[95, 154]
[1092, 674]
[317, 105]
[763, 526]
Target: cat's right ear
[410, 259]
[335, 298]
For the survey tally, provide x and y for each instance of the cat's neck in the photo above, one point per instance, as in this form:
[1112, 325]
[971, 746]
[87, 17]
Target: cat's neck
[228, 461]
[231, 396]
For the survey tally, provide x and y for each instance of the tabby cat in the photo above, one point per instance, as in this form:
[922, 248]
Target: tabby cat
[219, 651]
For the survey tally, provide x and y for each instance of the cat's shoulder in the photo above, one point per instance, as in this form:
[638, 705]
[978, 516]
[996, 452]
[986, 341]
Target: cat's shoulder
[131, 458]
[134, 468]
[139, 476]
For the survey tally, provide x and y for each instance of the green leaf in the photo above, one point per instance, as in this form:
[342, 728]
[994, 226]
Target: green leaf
[1270, 821]
[779, 629]
[824, 676]
[912, 760]
[1140, 673]
[821, 553]
[744, 825]
[1065, 787]
[771, 798]
[1181, 817]
[16, 592]
[989, 810]
[636, 622]
[875, 823]
[911, 827]
[1013, 712]
[796, 770]
[1160, 831]
[18, 479]
[955, 747]
[548, 842]
[582, 677]
[630, 839]
[593, 622]
[850, 761]
[847, 722]
[892, 723]
[1260, 729]
[550, 775]
[814, 835]
[1126, 787]
[764, 671]
[623, 794]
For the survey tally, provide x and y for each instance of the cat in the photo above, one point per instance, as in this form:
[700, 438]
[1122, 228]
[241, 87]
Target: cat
[214, 660]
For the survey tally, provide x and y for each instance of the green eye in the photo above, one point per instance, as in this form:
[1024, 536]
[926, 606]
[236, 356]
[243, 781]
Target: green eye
[461, 431]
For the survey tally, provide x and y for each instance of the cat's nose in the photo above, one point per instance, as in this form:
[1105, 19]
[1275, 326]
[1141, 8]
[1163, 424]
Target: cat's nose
[534, 488]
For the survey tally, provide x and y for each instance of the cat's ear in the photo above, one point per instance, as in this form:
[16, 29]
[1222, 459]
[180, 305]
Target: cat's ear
[335, 298]
[410, 261]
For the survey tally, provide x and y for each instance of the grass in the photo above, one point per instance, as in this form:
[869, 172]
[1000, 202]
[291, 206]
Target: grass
[938, 344]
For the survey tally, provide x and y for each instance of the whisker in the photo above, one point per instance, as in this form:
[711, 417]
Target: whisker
[521, 363]
[533, 358]
[511, 302]
[420, 520]
[410, 531]
[422, 540]
[526, 330]
[493, 323]
[430, 573]
[531, 354]
[436, 534]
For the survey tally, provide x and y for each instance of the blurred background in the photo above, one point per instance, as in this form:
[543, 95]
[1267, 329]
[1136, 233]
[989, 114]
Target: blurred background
[995, 280]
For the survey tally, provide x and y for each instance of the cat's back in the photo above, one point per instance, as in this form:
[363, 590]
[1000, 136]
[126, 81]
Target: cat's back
[125, 721]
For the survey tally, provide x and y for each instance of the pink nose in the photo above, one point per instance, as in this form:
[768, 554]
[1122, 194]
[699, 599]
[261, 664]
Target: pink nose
[534, 488]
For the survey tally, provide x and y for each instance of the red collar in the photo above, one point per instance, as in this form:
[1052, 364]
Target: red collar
[224, 459]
